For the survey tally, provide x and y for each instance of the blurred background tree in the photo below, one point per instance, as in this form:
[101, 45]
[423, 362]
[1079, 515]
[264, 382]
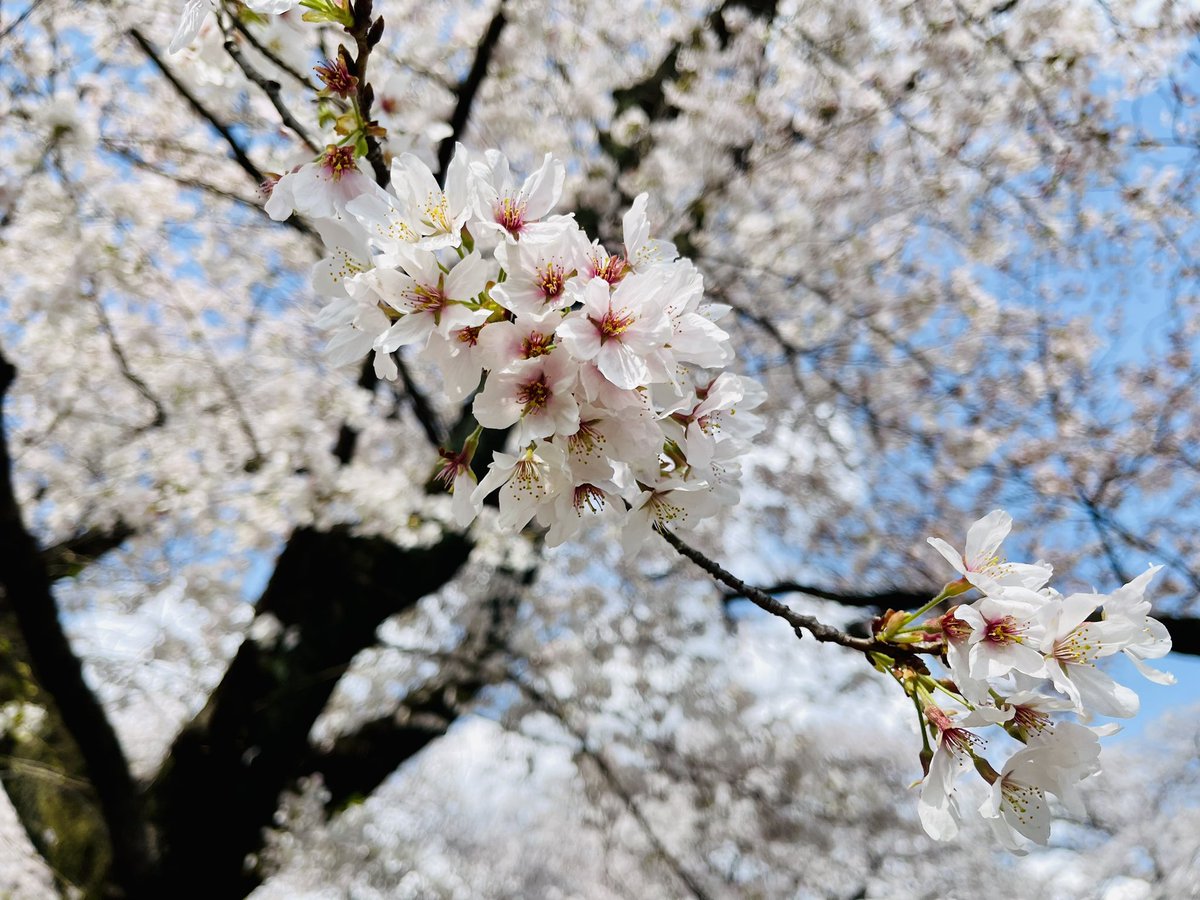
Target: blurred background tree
[241, 648]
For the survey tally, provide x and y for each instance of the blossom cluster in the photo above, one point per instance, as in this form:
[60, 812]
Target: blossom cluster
[1017, 654]
[604, 365]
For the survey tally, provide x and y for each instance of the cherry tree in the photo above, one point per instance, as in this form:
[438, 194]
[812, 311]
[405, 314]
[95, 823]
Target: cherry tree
[697, 309]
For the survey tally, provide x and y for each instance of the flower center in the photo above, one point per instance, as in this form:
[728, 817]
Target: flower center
[536, 344]
[1030, 719]
[585, 440]
[959, 741]
[510, 214]
[612, 269]
[437, 212]
[533, 395]
[1021, 798]
[1006, 630]
[588, 498]
[469, 335]
[1078, 648]
[613, 324]
[426, 298]
[339, 160]
[954, 628]
[551, 281]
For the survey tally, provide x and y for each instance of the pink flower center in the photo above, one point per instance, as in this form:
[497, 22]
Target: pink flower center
[536, 344]
[614, 323]
[469, 335]
[510, 214]
[339, 160]
[612, 269]
[451, 466]
[336, 77]
[551, 281]
[958, 741]
[534, 395]
[1005, 630]
[954, 628]
[426, 298]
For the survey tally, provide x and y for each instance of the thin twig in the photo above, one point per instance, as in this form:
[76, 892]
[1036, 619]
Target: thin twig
[468, 88]
[239, 152]
[819, 630]
[272, 56]
[272, 90]
[366, 35]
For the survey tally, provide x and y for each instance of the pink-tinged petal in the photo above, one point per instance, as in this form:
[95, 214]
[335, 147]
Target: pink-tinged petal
[496, 405]
[468, 278]
[984, 538]
[461, 507]
[458, 181]
[1156, 675]
[385, 366]
[936, 808]
[411, 329]
[621, 365]
[952, 556]
[1074, 610]
[349, 345]
[1100, 694]
[543, 188]
[635, 226]
[580, 337]
[189, 25]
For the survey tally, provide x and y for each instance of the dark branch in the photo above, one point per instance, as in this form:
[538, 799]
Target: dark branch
[1184, 630]
[68, 558]
[765, 601]
[358, 762]
[366, 34]
[239, 153]
[272, 90]
[221, 784]
[896, 599]
[421, 407]
[468, 88]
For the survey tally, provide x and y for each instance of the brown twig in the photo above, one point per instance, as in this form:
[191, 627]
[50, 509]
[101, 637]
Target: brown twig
[763, 600]
[366, 34]
[271, 89]
[239, 152]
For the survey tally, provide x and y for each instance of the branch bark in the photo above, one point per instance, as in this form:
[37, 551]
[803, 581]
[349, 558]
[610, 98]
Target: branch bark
[221, 784]
[763, 600]
[468, 89]
[235, 147]
[25, 583]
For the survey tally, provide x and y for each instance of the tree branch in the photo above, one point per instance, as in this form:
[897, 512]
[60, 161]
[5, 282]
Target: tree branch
[25, 583]
[468, 88]
[551, 706]
[358, 762]
[239, 152]
[366, 34]
[272, 90]
[763, 600]
[221, 783]
[68, 558]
